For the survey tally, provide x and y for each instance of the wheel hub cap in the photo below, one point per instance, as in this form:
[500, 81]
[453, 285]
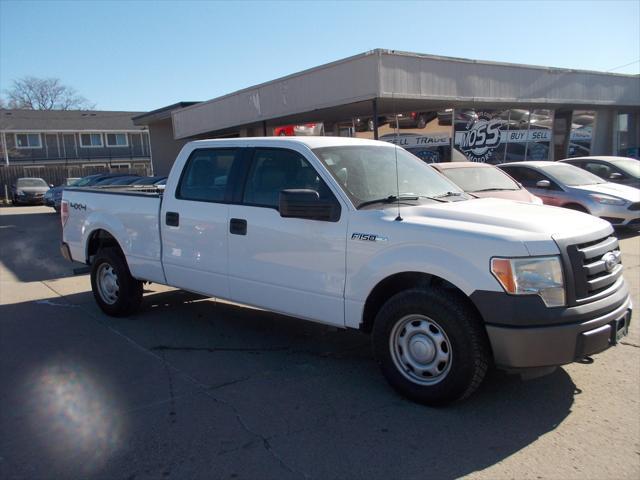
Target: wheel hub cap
[420, 349]
[108, 286]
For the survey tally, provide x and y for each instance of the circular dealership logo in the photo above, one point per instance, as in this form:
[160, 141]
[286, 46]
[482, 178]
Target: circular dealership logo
[481, 137]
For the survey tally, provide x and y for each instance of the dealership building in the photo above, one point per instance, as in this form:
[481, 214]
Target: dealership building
[439, 108]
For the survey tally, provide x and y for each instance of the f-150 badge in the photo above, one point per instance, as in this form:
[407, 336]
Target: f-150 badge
[368, 237]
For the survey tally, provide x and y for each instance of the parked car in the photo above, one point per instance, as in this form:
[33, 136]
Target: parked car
[361, 234]
[612, 169]
[29, 190]
[305, 129]
[156, 180]
[364, 124]
[564, 185]
[88, 181]
[119, 180]
[414, 119]
[462, 115]
[484, 180]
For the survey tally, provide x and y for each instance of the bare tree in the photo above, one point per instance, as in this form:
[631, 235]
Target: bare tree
[33, 93]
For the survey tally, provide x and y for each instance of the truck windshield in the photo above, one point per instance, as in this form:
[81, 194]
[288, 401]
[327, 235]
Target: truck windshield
[367, 173]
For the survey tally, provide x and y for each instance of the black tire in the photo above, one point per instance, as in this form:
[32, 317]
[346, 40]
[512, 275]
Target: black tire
[576, 207]
[109, 267]
[460, 330]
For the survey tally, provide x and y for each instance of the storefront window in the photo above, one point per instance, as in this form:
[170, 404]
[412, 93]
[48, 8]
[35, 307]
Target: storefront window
[481, 134]
[581, 133]
[627, 133]
[498, 136]
[422, 133]
[539, 134]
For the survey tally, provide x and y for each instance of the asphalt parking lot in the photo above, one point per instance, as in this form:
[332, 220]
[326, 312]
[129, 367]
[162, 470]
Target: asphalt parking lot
[194, 388]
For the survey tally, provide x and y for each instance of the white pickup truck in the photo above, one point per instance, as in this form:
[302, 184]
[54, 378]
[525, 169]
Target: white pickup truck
[362, 234]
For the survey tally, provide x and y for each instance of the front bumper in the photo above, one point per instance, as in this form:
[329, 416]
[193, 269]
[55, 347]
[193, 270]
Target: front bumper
[617, 215]
[530, 337]
[29, 200]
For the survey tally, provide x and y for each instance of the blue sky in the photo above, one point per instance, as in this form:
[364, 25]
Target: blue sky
[145, 55]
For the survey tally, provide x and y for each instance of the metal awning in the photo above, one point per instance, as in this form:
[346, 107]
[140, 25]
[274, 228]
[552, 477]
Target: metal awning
[401, 81]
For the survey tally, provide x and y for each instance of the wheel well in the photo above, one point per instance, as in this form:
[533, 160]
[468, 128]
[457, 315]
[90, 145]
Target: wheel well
[100, 239]
[393, 284]
[575, 206]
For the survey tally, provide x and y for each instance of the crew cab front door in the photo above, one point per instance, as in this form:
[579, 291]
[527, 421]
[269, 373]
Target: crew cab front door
[293, 266]
[194, 222]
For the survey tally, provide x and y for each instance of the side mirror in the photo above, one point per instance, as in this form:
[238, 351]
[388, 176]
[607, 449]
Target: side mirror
[615, 176]
[302, 203]
[543, 184]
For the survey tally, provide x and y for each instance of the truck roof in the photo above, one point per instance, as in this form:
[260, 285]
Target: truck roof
[311, 142]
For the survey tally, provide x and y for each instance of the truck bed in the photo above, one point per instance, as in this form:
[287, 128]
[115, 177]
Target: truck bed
[129, 214]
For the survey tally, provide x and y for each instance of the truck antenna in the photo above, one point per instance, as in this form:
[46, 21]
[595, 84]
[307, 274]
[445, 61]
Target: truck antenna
[397, 132]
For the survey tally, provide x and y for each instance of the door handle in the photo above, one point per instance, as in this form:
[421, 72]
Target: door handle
[238, 226]
[172, 219]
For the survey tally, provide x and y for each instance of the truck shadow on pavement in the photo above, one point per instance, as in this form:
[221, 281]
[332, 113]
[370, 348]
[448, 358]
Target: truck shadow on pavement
[31, 246]
[300, 400]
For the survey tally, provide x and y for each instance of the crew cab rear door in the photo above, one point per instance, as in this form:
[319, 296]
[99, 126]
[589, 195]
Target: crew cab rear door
[294, 266]
[194, 221]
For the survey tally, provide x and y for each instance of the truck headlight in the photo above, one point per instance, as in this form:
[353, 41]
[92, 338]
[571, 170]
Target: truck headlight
[607, 199]
[531, 276]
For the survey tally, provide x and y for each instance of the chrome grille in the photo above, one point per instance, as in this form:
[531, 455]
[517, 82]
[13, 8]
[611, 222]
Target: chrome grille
[596, 266]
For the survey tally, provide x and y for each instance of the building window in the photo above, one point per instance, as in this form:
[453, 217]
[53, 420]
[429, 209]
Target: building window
[116, 167]
[90, 140]
[28, 140]
[117, 140]
[582, 123]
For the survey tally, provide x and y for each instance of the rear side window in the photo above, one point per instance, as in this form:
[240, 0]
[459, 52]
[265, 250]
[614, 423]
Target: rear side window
[205, 176]
[599, 169]
[274, 170]
[526, 176]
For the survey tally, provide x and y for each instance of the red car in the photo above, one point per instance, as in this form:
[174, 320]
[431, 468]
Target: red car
[305, 129]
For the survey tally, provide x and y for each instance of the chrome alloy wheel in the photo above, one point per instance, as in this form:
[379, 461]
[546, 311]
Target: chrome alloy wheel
[108, 286]
[420, 349]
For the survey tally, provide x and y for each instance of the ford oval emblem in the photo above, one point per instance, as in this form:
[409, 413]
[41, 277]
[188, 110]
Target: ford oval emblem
[611, 259]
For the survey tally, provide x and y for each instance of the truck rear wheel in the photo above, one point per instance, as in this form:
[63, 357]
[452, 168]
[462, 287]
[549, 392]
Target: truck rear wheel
[117, 293]
[430, 346]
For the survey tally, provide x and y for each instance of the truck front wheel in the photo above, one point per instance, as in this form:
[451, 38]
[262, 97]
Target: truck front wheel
[117, 293]
[431, 346]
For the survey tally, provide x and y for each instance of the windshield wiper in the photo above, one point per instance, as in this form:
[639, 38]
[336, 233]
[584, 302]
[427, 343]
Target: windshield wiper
[389, 199]
[494, 190]
[445, 195]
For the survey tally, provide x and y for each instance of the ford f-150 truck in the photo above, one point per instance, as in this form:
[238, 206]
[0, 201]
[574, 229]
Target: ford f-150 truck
[362, 234]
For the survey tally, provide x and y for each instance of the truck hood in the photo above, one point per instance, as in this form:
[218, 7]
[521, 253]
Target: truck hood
[485, 214]
[625, 192]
